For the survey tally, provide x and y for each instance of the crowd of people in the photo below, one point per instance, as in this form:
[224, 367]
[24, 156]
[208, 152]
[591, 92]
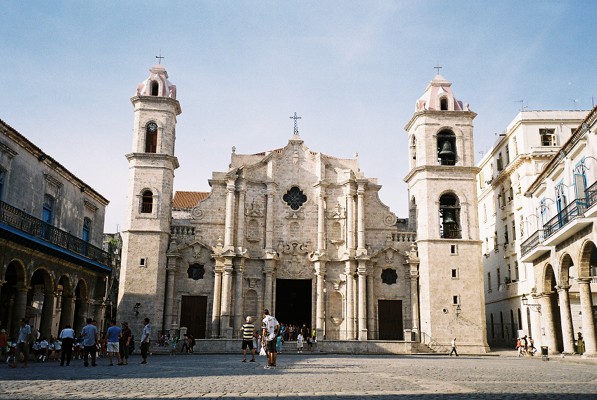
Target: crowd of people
[115, 344]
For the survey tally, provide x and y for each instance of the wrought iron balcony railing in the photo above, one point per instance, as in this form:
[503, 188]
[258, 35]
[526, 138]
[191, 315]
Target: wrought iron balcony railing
[533, 241]
[28, 224]
[575, 209]
[591, 195]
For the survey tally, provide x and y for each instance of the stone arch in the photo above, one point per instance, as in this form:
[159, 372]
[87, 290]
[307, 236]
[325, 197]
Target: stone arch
[41, 301]
[13, 295]
[548, 279]
[588, 259]
[566, 263]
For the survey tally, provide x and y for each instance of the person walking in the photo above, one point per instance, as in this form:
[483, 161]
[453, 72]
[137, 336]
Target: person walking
[3, 343]
[580, 344]
[90, 337]
[454, 348]
[124, 343]
[247, 331]
[112, 338]
[271, 328]
[23, 343]
[145, 340]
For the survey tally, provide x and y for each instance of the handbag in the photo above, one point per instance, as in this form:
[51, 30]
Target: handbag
[262, 351]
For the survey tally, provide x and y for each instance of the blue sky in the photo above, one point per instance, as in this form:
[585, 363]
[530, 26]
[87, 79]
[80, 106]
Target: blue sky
[351, 69]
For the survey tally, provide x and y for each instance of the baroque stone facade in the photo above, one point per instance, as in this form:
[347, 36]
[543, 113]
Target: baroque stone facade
[298, 232]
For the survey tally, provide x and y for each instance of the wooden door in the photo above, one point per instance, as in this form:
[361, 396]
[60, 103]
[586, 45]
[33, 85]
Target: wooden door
[193, 315]
[389, 316]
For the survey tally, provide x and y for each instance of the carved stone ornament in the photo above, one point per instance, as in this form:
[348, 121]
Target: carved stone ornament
[337, 212]
[197, 213]
[295, 215]
[254, 210]
[390, 220]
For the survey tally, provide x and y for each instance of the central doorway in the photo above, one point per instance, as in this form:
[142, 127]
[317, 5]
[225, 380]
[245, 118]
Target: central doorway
[293, 301]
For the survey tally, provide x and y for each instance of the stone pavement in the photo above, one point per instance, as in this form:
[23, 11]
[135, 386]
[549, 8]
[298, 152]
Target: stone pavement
[308, 376]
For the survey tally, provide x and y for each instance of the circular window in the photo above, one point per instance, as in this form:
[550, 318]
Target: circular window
[295, 198]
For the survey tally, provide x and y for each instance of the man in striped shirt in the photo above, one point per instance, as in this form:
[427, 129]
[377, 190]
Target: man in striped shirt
[248, 330]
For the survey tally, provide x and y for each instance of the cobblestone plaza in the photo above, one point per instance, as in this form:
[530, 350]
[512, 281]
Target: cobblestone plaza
[308, 377]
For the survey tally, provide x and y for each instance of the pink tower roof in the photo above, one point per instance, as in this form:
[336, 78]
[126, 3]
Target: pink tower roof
[437, 90]
[159, 75]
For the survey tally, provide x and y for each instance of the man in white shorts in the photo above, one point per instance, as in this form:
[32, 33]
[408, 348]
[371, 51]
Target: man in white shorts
[112, 337]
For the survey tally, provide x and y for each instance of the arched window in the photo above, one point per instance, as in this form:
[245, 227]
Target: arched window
[449, 216]
[443, 104]
[446, 148]
[155, 88]
[147, 202]
[151, 137]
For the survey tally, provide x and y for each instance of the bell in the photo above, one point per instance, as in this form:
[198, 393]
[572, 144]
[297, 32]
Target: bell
[448, 219]
[446, 151]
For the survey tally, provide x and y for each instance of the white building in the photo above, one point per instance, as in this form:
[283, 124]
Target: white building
[562, 249]
[507, 217]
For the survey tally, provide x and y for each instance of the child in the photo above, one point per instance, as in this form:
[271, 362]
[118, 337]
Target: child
[12, 353]
[299, 343]
[43, 350]
[279, 343]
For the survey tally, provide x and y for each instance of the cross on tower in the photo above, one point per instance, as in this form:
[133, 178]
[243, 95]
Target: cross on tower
[438, 67]
[295, 118]
[160, 57]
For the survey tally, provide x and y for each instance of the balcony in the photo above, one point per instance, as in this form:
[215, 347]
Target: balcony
[566, 223]
[533, 247]
[18, 226]
[591, 198]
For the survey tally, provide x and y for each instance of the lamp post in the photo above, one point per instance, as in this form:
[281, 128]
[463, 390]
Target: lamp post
[533, 307]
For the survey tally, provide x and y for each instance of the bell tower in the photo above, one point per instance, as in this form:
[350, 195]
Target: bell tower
[150, 185]
[443, 203]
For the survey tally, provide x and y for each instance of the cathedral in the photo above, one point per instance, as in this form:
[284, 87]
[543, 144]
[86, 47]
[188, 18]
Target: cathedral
[305, 235]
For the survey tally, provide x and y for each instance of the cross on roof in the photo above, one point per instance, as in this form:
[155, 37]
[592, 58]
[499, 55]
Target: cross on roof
[295, 118]
[160, 57]
[438, 67]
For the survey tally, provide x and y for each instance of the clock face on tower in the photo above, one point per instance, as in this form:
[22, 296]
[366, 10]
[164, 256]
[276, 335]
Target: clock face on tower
[152, 127]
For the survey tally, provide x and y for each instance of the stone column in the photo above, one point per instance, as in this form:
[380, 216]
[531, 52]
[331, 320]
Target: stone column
[372, 334]
[349, 270]
[566, 318]
[169, 303]
[588, 324]
[319, 297]
[47, 314]
[240, 234]
[537, 328]
[361, 218]
[414, 299]
[225, 330]
[350, 221]
[215, 318]
[238, 298]
[321, 221]
[20, 307]
[362, 274]
[269, 219]
[268, 296]
[548, 323]
[229, 221]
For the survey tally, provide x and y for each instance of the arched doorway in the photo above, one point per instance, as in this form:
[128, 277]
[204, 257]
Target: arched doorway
[41, 302]
[13, 297]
